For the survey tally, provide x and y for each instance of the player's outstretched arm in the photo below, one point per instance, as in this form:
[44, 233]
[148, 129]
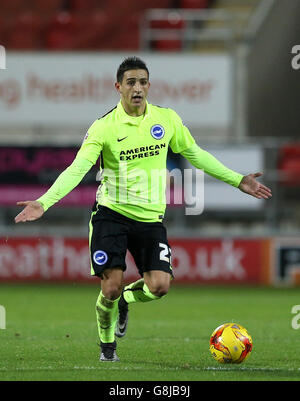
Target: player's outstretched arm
[251, 186]
[205, 161]
[33, 210]
[64, 184]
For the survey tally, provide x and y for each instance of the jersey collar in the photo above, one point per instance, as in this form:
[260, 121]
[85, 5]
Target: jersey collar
[126, 118]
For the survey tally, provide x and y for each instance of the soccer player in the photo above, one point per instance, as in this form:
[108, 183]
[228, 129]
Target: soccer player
[132, 141]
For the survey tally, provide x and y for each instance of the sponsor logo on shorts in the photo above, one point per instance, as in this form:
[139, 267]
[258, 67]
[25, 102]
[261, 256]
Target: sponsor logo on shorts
[157, 131]
[100, 257]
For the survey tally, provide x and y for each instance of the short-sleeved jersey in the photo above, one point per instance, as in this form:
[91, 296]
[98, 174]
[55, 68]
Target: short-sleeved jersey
[133, 158]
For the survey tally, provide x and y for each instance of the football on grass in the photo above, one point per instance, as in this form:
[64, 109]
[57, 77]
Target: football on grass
[230, 343]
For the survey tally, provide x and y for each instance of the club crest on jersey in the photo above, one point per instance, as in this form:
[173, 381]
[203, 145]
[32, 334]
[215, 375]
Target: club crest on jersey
[157, 131]
[100, 257]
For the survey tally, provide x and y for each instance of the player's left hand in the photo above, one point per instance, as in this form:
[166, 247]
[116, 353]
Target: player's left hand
[251, 186]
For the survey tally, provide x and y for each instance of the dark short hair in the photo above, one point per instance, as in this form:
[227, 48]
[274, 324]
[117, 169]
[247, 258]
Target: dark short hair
[130, 63]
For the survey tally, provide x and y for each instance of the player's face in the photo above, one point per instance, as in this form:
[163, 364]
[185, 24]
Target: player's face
[134, 90]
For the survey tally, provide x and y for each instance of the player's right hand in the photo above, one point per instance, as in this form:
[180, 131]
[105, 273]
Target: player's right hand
[33, 210]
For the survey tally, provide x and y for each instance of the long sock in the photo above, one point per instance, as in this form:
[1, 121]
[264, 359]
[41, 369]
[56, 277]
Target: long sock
[106, 313]
[138, 292]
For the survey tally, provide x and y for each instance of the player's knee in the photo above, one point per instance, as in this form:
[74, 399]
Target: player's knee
[158, 283]
[112, 283]
[113, 293]
[160, 289]
[112, 290]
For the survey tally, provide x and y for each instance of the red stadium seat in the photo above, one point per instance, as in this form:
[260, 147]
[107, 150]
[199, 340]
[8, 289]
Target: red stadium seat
[126, 9]
[2, 31]
[25, 32]
[173, 24]
[289, 164]
[18, 41]
[194, 3]
[291, 150]
[61, 32]
[167, 45]
[68, 31]
[94, 30]
[156, 3]
[129, 36]
[83, 5]
[173, 21]
[47, 6]
[138, 5]
[12, 6]
[111, 31]
[28, 20]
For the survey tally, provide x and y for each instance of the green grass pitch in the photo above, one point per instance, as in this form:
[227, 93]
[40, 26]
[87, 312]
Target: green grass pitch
[51, 334]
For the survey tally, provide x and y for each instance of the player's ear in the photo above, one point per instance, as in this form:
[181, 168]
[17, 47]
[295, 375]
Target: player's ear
[118, 86]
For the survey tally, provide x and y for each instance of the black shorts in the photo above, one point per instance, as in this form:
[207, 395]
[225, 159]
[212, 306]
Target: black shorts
[112, 234]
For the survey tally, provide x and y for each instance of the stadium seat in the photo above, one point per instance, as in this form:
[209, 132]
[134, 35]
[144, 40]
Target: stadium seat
[198, 4]
[173, 21]
[94, 31]
[126, 9]
[24, 32]
[173, 24]
[138, 5]
[2, 31]
[167, 45]
[112, 31]
[289, 164]
[47, 6]
[83, 5]
[129, 36]
[68, 31]
[62, 32]
[290, 150]
[12, 6]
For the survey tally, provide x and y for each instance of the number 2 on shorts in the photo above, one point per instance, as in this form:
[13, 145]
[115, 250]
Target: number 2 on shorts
[163, 255]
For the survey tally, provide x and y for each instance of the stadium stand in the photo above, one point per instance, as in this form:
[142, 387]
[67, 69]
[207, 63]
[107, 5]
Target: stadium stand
[61, 33]
[47, 6]
[24, 31]
[11, 7]
[173, 23]
[2, 28]
[187, 4]
[87, 24]
[83, 5]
